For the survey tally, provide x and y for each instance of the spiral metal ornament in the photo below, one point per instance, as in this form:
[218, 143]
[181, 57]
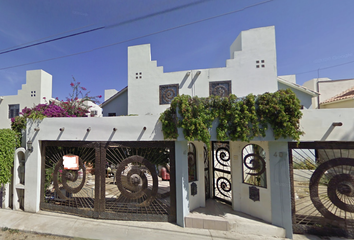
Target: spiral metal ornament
[224, 186]
[168, 95]
[257, 164]
[336, 175]
[136, 184]
[66, 176]
[220, 90]
[223, 156]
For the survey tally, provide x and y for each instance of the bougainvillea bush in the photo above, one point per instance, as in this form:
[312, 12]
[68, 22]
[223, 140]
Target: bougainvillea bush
[74, 106]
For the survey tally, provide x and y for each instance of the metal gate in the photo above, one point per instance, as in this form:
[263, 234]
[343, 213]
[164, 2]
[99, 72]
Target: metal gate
[113, 180]
[222, 172]
[322, 182]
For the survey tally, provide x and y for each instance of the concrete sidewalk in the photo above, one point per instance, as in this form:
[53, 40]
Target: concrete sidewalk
[72, 226]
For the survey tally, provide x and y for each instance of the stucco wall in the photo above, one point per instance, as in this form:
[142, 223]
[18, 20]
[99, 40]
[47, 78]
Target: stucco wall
[145, 77]
[119, 105]
[317, 125]
[38, 85]
[241, 202]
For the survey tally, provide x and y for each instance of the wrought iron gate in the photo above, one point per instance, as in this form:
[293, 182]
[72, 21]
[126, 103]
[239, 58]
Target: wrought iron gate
[222, 172]
[322, 179]
[114, 180]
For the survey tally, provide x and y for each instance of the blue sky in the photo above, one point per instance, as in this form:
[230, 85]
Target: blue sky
[310, 35]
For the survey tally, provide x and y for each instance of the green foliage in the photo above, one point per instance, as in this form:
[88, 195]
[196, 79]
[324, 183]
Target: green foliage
[307, 164]
[239, 118]
[8, 142]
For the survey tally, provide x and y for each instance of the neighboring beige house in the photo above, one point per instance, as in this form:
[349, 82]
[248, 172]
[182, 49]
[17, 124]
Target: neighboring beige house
[38, 85]
[344, 99]
[333, 93]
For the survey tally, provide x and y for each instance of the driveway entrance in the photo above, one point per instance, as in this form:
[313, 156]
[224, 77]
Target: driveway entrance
[322, 178]
[112, 180]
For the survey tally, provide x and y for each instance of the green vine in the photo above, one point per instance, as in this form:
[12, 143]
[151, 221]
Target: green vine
[238, 118]
[8, 142]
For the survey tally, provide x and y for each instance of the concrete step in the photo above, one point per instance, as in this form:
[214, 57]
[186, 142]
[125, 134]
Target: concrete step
[233, 223]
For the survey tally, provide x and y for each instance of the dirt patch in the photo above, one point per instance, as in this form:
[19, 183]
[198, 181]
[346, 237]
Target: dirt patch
[13, 234]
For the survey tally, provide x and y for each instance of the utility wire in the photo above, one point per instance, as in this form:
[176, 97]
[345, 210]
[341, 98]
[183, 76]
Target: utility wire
[333, 66]
[99, 28]
[47, 37]
[147, 35]
[52, 40]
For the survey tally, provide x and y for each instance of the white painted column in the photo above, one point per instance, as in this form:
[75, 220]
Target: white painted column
[33, 170]
[236, 173]
[182, 185]
[280, 186]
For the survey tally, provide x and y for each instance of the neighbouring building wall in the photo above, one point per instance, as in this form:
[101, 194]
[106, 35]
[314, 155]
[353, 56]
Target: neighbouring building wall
[95, 110]
[109, 93]
[253, 61]
[305, 99]
[348, 103]
[118, 106]
[38, 85]
[328, 88]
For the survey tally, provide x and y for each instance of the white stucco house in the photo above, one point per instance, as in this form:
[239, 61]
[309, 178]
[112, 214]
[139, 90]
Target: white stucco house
[133, 123]
[38, 85]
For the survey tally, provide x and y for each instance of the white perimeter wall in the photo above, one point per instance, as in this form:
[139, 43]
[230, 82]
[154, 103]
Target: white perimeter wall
[317, 125]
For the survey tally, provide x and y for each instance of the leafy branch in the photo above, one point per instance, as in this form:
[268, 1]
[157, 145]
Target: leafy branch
[239, 118]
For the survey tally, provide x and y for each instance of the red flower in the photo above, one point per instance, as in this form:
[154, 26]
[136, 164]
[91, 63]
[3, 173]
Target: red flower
[72, 84]
[83, 88]
[99, 96]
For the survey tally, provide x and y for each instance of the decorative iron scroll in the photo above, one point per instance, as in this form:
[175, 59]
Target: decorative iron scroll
[136, 182]
[221, 89]
[223, 156]
[336, 174]
[64, 176]
[168, 93]
[257, 164]
[254, 165]
[224, 186]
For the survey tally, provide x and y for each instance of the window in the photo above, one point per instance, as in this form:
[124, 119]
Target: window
[93, 113]
[192, 163]
[254, 165]
[14, 110]
[111, 114]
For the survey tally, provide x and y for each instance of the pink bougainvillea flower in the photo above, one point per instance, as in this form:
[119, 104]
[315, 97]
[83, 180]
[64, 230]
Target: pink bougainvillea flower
[83, 88]
[72, 84]
[99, 96]
[44, 98]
